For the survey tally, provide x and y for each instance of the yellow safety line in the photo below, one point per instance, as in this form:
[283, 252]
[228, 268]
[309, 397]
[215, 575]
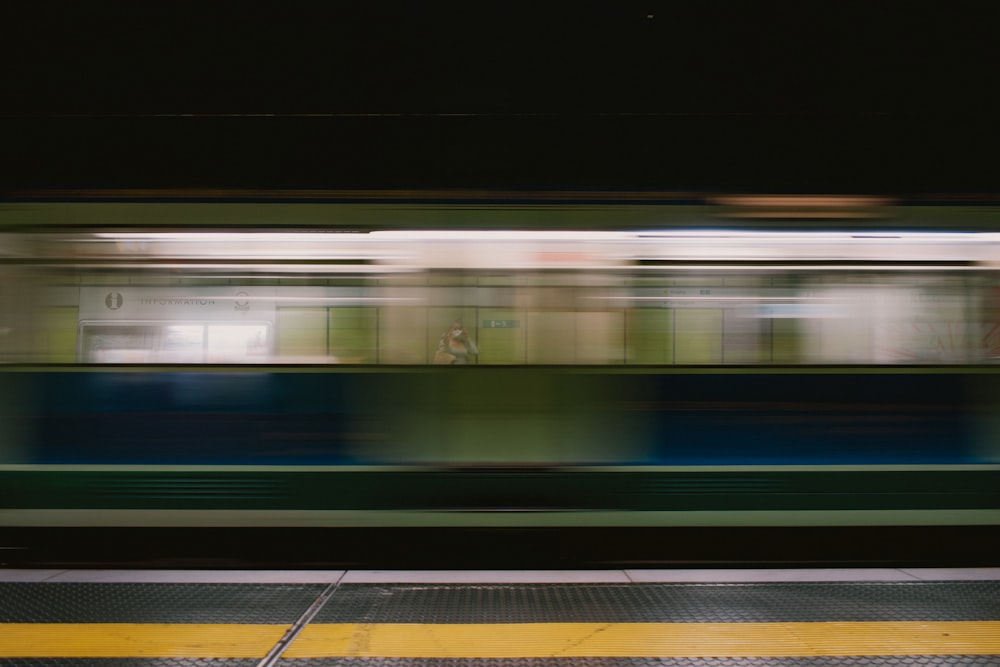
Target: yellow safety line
[536, 640]
[504, 640]
[139, 640]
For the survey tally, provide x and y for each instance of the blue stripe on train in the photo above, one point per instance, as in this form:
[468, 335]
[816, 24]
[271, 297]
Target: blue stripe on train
[219, 417]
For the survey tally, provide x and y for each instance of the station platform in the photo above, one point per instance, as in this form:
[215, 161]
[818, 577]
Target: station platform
[309, 618]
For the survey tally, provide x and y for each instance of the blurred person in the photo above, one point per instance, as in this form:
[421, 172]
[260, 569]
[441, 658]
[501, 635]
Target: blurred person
[455, 346]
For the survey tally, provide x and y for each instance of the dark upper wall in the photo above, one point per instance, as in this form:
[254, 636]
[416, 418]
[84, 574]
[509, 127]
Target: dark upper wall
[633, 95]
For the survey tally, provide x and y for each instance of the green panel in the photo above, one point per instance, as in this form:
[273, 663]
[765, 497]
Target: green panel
[551, 337]
[698, 281]
[785, 341]
[301, 333]
[444, 279]
[502, 345]
[500, 415]
[198, 282]
[600, 337]
[699, 336]
[116, 279]
[648, 281]
[477, 489]
[745, 340]
[650, 336]
[403, 336]
[352, 334]
[742, 281]
[146, 279]
[59, 334]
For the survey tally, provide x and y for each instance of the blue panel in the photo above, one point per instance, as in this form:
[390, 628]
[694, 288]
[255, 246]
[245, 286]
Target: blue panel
[674, 418]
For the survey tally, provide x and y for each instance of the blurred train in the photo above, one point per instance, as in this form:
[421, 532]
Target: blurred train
[259, 367]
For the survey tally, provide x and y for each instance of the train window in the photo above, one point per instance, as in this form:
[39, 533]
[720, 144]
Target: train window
[670, 298]
[174, 343]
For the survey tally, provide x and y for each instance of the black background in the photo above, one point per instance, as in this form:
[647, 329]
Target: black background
[867, 97]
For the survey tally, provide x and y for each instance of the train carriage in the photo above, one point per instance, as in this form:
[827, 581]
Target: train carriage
[675, 374]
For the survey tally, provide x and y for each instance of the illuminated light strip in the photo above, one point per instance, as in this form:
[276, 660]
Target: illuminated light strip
[605, 267]
[237, 266]
[922, 268]
[503, 640]
[296, 299]
[709, 297]
[361, 239]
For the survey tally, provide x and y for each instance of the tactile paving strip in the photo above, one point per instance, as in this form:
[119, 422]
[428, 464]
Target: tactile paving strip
[664, 603]
[505, 603]
[155, 603]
